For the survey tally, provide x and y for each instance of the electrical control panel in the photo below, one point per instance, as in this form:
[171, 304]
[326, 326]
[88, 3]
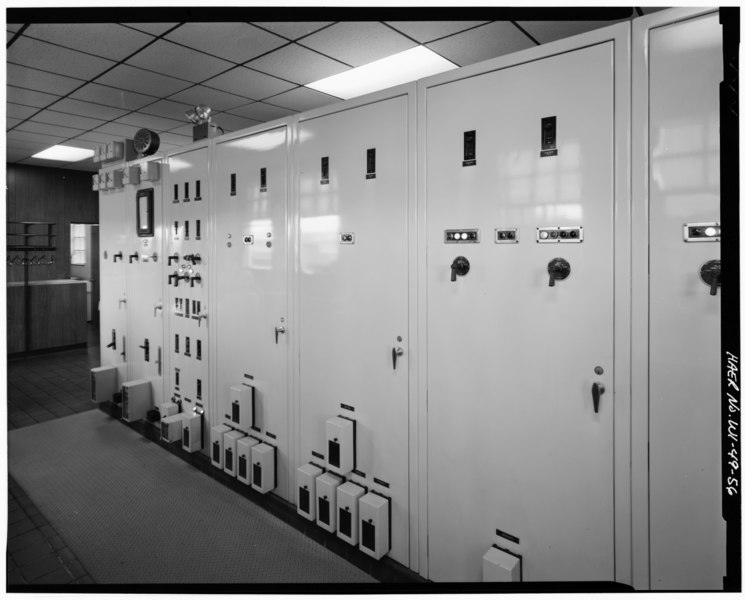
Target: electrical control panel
[230, 452]
[374, 523]
[348, 495]
[217, 444]
[103, 383]
[136, 399]
[326, 486]
[305, 486]
[243, 463]
[171, 427]
[263, 467]
[340, 443]
[506, 235]
[240, 409]
[192, 432]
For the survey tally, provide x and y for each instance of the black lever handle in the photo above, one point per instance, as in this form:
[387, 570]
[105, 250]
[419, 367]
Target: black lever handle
[193, 258]
[135, 256]
[118, 255]
[396, 353]
[598, 389]
[460, 266]
[172, 258]
[113, 340]
[146, 348]
[558, 269]
[711, 273]
[196, 277]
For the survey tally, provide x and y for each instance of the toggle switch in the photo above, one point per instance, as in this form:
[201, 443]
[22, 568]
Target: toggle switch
[305, 490]
[348, 495]
[326, 486]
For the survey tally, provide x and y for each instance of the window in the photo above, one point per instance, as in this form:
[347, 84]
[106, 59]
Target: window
[77, 244]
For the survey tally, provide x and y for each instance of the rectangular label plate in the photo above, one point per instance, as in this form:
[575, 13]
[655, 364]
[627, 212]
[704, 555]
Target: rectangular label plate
[461, 236]
[555, 235]
[702, 232]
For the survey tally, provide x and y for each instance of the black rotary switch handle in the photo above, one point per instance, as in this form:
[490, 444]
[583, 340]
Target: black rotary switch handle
[598, 389]
[711, 273]
[558, 269]
[136, 256]
[118, 255]
[172, 258]
[460, 266]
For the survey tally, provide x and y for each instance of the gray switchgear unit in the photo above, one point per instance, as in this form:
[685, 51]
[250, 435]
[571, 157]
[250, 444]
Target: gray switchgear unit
[136, 399]
[243, 450]
[326, 486]
[217, 432]
[171, 427]
[374, 525]
[230, 452]
[240, 409]
[340, 443]
[103, 383]
[305, 484]
[348, 495]
[263, 467]
[192, 431]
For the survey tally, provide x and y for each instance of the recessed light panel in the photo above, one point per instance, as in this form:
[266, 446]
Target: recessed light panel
[64, 153]
[396, 69]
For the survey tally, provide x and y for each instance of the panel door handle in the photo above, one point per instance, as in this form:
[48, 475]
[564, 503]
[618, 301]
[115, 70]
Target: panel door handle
[277, 331]
[598, 389]
[156, 308]
[711, 274]
[395, 354]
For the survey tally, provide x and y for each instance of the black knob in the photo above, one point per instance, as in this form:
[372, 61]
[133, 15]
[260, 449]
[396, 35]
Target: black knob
[172, 258]
[558, 269]
[118, 255]
[135, 256]
[196, 277]
[460, 266]
[711, 274]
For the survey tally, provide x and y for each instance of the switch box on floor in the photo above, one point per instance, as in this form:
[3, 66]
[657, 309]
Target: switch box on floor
[263, 461]
[326, 486]
[103, 383]
[230, 454]
[348, 495]
[216, 441]
[374, 521]
[306, 490]
[243, 450]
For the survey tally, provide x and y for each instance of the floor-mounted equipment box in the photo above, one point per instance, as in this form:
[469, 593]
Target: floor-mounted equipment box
[677, 299]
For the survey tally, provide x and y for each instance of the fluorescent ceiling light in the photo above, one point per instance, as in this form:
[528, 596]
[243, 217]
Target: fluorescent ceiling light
[403, 67]
[65, 153]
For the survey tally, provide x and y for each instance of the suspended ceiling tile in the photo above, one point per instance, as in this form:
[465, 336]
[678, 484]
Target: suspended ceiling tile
[293, 31]
[29, 97]
[46, 128]
[260, 111]
[11, 122]
[88, 109]
[16, 154]
[427, 31]
[145, 82]
[230, 122]
[52, 117]
[41, 81]
[174, 60]
[175, 140]
[549, 31]
[83, 165]
[108, 40]
[116, 97]
[19, 111]
[358, 43]
[55, 59]
[237, 42]
[95, 137]
[248, 83]
[157, 124]
[152, 28]
[116, 131]
[168, 109]
[13, 27]
[488, 41]
[29, 136]
[297, 64]
[215, 99]
[303, 98]
[185, 130]
[8, 36]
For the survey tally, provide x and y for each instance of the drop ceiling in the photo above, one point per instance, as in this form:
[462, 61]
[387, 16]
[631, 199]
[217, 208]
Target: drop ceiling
[75, 77]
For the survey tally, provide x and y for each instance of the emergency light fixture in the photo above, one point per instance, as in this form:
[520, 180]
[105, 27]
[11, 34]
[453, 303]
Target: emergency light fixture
[64, 153]
[396, 69]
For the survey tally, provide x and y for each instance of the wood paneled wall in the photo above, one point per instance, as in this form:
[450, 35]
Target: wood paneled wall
[56, 195]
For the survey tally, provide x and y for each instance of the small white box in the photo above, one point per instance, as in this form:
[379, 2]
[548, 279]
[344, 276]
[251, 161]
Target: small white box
[136, 399]
[216, 439]
[373, 525]
[150, 171]
[191, 432]
[240, 410]
[262, 468]
[499, 565]
[340, 443]
[103, 383]
[171, 428]
[305, 491]
[168, 409]
[117, 178]
[243, 450]
[131, 175]
[95, 182]
[114, 150]
[326, 485]
[348, 495]
[230, 454]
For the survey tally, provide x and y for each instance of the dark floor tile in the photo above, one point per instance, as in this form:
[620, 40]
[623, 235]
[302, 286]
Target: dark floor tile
[56, 542]
[47, 417]
[16, 515]
[24, 540]
[39, 520]
[47, 531]
[85, 579]
[58, 576]
[22, 422]
[60, 410]
[19, 528]
[66, 555]
[25, 556]
[76, 569]
[14, 577]
[42, 566]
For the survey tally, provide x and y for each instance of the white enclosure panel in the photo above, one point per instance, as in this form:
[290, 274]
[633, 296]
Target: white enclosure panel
[144, 264]
[113, 275]
[352, 293]
[251, 328]
[186, 278]
[514, 441]
[687, 532]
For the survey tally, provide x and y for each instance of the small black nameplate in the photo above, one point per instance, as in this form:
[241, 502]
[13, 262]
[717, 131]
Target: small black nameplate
[318, 455]
[381, 482]
[508, 536]
[347, 407]
[247, 376]
[271, 435]
[545, 153]
[255, 428]
[370, 176]
[360, 473]
[469, 163]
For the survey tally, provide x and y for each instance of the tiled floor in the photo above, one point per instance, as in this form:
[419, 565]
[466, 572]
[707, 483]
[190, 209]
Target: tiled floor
[40, 388]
